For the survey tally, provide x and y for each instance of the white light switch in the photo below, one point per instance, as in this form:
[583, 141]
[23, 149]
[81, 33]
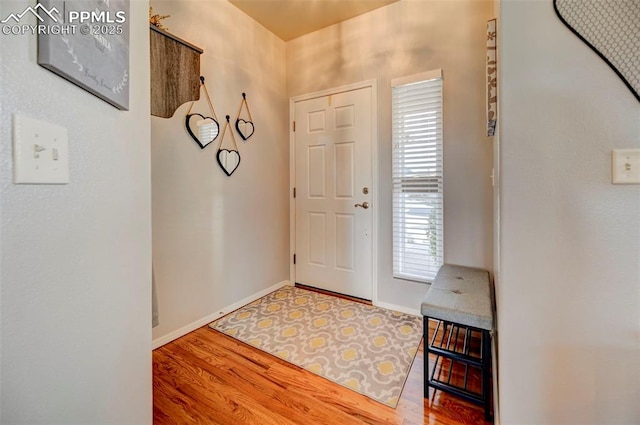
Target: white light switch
[625, 166]
[40, 152]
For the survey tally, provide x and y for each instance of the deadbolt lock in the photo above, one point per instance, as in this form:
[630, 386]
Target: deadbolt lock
[365, 190]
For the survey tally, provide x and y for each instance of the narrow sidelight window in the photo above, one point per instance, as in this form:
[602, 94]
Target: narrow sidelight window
[418, 223]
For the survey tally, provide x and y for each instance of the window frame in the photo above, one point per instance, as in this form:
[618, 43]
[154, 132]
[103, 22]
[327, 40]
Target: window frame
[429, 181]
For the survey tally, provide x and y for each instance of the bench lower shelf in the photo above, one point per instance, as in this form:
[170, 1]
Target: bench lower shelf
[462, 364]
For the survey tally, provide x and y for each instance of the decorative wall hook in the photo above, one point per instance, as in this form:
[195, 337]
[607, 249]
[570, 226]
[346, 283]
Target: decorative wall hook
[206, 127]
[228, 159]
[245, 127]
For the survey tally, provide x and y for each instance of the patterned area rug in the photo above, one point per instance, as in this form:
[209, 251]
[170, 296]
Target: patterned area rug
[364, 348]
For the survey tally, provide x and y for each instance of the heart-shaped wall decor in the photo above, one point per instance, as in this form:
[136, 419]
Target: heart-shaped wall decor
[228, 160]
[612, 29]
[206, 128]
[245, 128]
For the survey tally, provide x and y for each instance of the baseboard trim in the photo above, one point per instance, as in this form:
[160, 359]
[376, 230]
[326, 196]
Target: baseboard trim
[399, 308]
[157, 343]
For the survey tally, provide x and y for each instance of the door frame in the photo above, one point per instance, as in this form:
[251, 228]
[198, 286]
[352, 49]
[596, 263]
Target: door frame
[373, 85]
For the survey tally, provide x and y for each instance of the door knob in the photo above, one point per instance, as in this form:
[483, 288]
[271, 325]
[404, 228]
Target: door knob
[364, 205]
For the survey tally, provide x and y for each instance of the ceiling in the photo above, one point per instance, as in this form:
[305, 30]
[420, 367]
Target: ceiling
[289, 19]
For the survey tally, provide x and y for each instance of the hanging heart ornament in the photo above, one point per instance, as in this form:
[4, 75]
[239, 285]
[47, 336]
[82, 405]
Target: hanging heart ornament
[228, 160]
[202, 129]
[245, 128]
[612, 29]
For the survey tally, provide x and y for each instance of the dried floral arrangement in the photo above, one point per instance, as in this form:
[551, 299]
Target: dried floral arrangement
[155, 19]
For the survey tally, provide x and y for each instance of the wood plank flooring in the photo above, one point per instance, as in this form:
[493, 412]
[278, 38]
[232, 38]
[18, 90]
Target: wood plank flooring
[209, 378]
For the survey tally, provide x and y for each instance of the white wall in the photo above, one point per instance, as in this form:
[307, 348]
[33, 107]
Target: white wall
[401, 39]
[219, 239]
[569, 296]
[75, 259]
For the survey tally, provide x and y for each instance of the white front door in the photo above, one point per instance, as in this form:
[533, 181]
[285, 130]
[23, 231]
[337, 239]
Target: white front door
[333, 177]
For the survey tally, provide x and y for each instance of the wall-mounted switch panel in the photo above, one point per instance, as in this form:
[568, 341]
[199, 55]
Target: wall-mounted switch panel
[40, 152]
[625, 166]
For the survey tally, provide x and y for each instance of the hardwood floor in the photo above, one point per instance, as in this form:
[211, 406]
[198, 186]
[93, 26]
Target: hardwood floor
[209, 378]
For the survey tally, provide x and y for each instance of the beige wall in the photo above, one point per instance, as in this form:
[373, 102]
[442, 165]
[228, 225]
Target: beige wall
[401, 39]
[569, 292]
[219, 239]
[75, 259]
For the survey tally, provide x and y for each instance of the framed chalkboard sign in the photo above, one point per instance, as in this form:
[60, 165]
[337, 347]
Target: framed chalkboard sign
[87, 43]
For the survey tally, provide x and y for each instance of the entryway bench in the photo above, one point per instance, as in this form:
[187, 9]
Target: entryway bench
[461, 301]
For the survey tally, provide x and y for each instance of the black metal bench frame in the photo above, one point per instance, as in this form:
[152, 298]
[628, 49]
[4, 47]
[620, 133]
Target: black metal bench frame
[461, 355]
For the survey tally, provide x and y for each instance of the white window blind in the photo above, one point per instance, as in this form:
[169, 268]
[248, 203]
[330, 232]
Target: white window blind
[418, 222]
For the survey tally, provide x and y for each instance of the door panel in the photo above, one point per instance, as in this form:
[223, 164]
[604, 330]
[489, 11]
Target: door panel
[317, 171]
[345, 242]
[333, 164]
[317, 241]
[345, 170]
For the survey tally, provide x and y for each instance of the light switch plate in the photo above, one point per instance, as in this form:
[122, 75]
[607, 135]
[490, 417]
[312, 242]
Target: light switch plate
[625, 166]
[40, 152]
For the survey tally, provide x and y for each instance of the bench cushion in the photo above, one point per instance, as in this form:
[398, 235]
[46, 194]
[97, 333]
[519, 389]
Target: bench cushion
[460, 295]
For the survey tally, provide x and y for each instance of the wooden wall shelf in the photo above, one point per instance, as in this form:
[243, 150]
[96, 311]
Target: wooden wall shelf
[175, 72]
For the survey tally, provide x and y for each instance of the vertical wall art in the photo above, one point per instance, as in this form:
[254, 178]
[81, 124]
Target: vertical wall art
[492, 78]
[612, 29]
[88, 44]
